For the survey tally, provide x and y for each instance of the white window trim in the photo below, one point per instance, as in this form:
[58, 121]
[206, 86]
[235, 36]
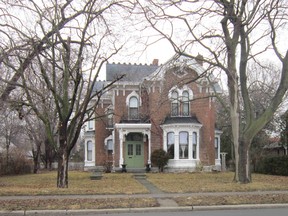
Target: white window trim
[133, 94]
[106, 142]
[180, 128]
[180, 92]
[89, 162]
[217, 135]
[90, 125]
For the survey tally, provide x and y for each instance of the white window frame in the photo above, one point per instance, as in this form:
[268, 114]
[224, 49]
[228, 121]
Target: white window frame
[90, 125]
[135, 106]
[181, 101]
[191, 128]
[88, 161]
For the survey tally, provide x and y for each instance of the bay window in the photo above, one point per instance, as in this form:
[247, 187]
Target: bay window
[170, 144]
[183, 145]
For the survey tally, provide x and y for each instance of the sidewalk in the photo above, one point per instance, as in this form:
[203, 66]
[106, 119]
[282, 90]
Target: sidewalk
[165, 200]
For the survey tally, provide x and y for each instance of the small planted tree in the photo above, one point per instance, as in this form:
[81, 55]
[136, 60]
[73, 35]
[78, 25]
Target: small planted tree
[160, 159]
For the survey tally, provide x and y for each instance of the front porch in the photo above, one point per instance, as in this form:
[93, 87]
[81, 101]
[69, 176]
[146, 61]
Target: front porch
[134, 142]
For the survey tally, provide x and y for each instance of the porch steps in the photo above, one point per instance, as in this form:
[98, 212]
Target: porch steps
[136, 170]
[139, 176]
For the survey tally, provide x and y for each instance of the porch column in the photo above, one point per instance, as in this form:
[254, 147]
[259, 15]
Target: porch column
[121, 147]
[149, 147]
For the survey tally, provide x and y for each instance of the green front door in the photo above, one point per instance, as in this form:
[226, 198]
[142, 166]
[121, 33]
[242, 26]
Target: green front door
[134, 157]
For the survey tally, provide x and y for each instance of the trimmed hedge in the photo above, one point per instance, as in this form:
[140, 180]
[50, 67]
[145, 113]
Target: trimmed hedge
[273, 165]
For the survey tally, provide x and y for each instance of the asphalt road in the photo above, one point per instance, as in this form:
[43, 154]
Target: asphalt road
[241, 212]
[274, 211]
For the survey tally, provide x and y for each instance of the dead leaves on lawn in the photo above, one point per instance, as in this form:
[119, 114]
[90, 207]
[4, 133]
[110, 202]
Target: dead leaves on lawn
[75, 204]
[232, 199]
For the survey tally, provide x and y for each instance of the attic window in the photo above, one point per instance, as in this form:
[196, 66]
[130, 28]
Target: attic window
[179, 71]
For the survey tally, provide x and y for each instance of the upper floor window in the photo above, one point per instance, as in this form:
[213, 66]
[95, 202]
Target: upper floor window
[90, 125]
[175, 104]
[185, 103]
[180, 101]
[133, 108]
[109, 113]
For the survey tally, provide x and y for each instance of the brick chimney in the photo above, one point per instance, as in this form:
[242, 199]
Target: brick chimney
[155, 62]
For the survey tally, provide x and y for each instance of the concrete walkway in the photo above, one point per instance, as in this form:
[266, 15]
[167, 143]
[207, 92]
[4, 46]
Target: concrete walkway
[164, 201]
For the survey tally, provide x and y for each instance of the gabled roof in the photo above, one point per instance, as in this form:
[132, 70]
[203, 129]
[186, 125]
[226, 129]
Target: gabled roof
[153, 72]
[176, 61]
[181, 61]
[133, 72]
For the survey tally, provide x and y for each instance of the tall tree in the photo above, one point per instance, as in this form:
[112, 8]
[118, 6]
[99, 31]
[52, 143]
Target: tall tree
[28, 28]
[62, 76]
[229, 34]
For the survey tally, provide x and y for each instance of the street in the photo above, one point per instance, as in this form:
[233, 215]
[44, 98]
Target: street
[242, 212]
[281, 211]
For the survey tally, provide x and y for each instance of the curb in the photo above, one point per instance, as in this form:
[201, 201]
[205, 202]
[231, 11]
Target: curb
[141, 210]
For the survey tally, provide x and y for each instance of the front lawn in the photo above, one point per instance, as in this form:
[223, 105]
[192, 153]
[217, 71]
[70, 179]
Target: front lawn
[79, 183]
[214, 182]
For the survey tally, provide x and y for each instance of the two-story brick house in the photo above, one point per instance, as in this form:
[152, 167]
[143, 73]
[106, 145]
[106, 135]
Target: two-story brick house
[167, 106]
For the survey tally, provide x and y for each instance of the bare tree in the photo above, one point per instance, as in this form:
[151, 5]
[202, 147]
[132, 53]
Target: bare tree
[10, 128]
[229, 34]
[35, 130]
[61, 78]
[28, 27]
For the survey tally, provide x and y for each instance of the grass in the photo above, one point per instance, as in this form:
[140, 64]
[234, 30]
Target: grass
[74, 204]
[79, 183]
[215, 182]
[236, 199]
[124, 183]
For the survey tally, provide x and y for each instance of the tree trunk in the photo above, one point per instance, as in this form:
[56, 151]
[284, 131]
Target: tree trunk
[36, 158]
[62, 176]
[8, 168]
[243, 171]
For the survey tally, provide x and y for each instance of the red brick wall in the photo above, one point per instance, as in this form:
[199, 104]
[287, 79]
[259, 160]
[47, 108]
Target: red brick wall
[156, 104]
[100, 135]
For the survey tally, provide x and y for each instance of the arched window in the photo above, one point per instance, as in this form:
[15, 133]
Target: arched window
[194, 145]
[185, 103]
[183, 145]
[175, 104]
[89, 150]
[170, 144]
[133, 108]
